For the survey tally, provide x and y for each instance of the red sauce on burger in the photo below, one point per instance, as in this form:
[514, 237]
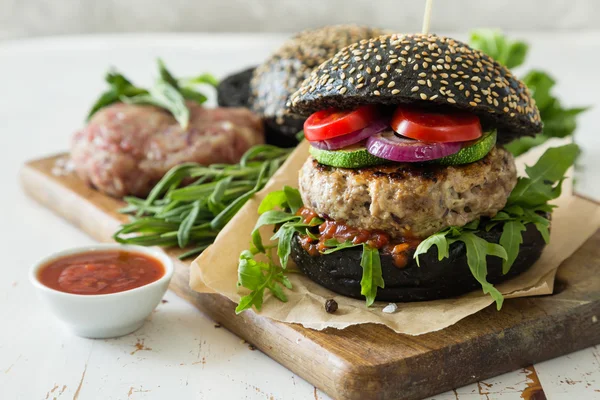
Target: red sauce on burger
[342, 232]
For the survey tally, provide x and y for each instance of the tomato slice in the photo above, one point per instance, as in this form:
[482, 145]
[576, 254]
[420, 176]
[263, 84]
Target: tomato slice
[428, 126]
[330, 123]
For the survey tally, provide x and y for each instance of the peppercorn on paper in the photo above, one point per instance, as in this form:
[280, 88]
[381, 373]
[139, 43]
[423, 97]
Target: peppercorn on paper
[215, 270]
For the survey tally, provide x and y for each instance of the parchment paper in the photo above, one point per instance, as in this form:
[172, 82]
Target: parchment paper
[215, 270]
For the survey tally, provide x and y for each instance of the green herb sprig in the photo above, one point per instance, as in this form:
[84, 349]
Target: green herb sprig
[192, 203]
[527, 204]
[478, 250]
[279, 209]
[559, 122]
[167, 92]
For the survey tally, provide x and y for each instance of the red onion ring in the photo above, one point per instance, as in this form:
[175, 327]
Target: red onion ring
[348, 139]
[389, 146]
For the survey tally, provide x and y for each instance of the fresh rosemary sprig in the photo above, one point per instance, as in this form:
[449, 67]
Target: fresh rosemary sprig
[192, 203]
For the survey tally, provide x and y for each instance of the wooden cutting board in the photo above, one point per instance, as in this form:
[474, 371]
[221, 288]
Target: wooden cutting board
[371, 361]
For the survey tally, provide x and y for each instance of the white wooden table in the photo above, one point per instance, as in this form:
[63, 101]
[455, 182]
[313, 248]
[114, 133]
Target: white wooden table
[47, 88]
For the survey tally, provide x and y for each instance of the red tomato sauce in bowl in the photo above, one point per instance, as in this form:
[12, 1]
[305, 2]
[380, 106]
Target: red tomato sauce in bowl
[100, 272]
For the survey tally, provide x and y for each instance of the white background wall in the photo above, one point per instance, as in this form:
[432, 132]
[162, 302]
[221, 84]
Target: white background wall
[22, 18]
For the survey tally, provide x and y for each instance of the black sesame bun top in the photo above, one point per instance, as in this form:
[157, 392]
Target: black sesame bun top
[425, 70]
[282, 73]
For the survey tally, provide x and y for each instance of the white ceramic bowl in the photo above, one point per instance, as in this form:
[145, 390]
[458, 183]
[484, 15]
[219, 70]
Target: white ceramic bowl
[105, 315]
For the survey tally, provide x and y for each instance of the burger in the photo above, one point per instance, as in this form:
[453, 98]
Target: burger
[266, 88]
[408, 193]
[406, 134]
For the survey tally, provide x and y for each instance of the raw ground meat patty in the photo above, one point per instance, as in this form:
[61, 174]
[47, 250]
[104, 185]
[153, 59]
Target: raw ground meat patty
[410, 200]
[125, 149]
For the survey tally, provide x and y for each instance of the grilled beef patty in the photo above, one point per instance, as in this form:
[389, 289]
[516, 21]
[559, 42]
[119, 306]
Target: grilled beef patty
[410, 199]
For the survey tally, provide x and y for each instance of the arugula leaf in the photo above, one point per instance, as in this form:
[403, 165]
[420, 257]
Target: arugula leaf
[523, 144]
[372, 276]
[258, 276]
[272, 217]
[250, 271]
[272, 200]
[255, 298]
[544, 178]
[529, 197]
[284, 235]
[286, 198]
[277, 291]
[294, 200]
[510, 53]
[281, 278]
[477, 251]
[513, 210]
[524, 206]
[437, 239]
[543, 229]
[333, 245]
[511, 239]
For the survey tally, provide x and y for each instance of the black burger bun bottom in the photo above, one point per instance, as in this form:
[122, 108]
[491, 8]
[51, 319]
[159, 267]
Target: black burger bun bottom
[341, 272]
[234, 91]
